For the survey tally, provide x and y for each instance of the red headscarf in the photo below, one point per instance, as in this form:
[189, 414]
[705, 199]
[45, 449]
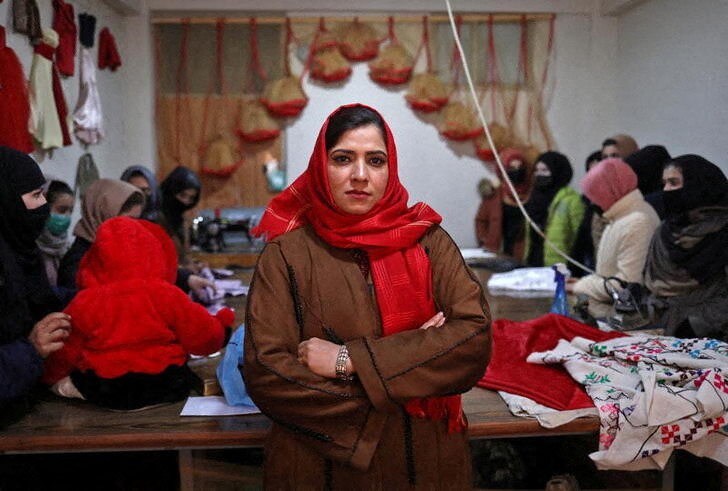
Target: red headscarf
[608, 182]
[389, 233]
[507, 156]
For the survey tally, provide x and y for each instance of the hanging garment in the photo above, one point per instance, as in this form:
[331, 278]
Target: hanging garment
[108, 53]
[86, 174]
[88, 117]
[26, 19]
[15, 115]
[64, 24]
[48, 105]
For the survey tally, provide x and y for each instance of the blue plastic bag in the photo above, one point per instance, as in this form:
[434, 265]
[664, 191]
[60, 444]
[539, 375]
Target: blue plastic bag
[228, 371]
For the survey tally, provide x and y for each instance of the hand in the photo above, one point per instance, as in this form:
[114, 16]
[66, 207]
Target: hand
[319, 356]
[570, 284]
[198, 284]
[50, 333]
[437, 320]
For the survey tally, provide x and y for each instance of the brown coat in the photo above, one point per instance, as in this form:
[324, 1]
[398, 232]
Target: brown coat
[356, 435]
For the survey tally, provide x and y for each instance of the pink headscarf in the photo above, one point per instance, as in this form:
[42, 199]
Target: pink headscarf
[609, 181]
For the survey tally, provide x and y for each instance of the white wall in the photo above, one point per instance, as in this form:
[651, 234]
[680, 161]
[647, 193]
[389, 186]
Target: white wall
[672, 82]
[111, 155]
[441, 173]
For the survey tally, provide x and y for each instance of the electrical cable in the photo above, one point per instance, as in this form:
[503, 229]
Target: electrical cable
[466, 70]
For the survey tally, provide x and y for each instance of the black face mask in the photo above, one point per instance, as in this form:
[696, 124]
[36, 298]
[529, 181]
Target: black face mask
[596, 209]
[516, 176]
[543, 182]
[36, 219]
[674, 201]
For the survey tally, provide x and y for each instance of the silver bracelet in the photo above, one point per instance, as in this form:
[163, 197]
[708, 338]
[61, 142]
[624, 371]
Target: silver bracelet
[340, 367]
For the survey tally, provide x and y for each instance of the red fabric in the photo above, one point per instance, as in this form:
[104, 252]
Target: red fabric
[549, 385]
[608, 182]
[47, 52]
[129, 316]
[64, 24]
[108, 53]
[389, 233]
[15, 115]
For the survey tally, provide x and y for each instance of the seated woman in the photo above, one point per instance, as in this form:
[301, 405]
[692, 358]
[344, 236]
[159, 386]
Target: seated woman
[31, 326]
[611, 186]
[104, 199]
[132, 329]
[519, 172]
[143, 178]
[555, 207]
[53, 240]
[584, 247]
[180, 192]
[687, 263]
[648, 163]
[363, 325]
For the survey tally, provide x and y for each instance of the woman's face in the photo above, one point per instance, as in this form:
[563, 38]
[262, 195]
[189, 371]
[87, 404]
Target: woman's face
[142, 183]
[133, 212]
[515, 164]
[672, 178]
[63, 205]
[34, 199]
[187, 196]
[358, 169]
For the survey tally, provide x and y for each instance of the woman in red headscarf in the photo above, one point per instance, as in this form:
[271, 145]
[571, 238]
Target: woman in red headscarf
[363, 326]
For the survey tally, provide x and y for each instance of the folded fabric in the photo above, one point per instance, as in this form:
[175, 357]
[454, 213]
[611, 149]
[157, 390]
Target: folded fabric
[549, 385]
[108, 53]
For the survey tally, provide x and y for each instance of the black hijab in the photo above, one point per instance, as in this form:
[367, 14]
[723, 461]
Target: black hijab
[647, 163]
[25, 295]
[561, 173]
[541, 198]
[178, 180]
[695, 231]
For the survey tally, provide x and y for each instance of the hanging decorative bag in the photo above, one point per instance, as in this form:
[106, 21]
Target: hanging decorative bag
[219, 157]
[254, 122]
[285, 97]
[327, 63]
[426, 92]
[502, 138]
[394, 64]
[457, 119]
[458, 122]
[358, 41]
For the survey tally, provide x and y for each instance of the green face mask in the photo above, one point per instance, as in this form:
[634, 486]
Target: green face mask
[57, 224]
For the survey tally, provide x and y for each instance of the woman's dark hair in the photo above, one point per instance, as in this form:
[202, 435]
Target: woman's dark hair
[137, 198]
[609, 141]
[593, 157]
[348, 118]
[56, 189]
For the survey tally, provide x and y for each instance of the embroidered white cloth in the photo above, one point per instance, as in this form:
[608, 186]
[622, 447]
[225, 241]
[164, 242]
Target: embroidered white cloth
[547, 417]
[654, 394]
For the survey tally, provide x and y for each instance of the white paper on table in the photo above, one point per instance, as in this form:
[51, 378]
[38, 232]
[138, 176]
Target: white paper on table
[214, 406]
[228, 284]
[476, 253]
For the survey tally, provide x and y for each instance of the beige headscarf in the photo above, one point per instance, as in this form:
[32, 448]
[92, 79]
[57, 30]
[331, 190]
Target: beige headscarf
[626, 144]
[103, 200]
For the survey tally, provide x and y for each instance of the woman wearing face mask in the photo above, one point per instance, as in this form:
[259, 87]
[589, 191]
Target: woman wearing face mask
[519, 172]
[584, 249]
[53, 240]
[648, 163]
[104, 199]
[555, 207]
[31, 326]
[363, 325]
[180, 192]
[631, 221]
[688, 257]
[143, 178]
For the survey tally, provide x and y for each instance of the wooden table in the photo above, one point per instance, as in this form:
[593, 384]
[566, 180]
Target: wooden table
[59, 425]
